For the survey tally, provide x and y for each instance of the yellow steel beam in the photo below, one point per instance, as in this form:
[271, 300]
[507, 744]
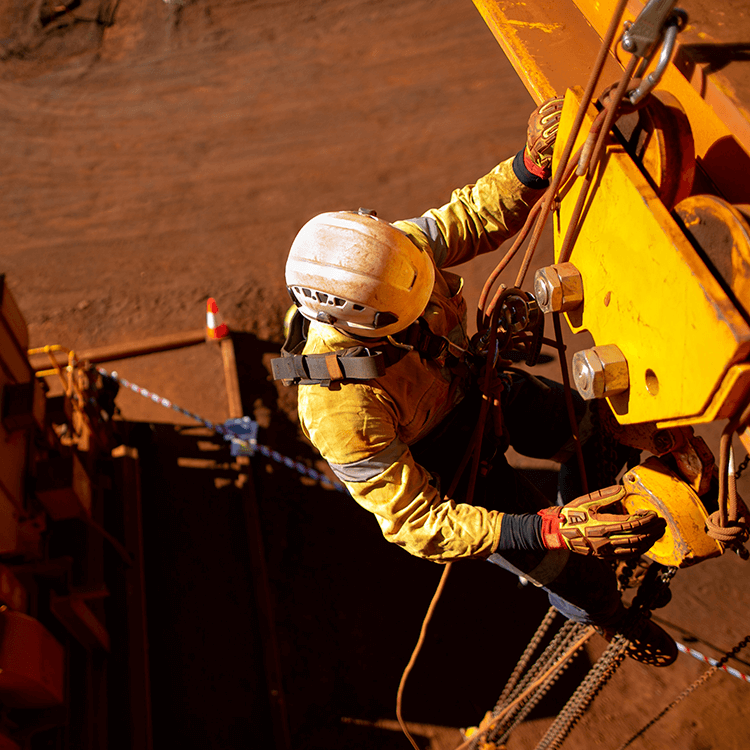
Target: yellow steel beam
[552, 44]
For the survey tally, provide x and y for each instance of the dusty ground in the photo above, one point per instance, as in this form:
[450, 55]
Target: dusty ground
[172, 156]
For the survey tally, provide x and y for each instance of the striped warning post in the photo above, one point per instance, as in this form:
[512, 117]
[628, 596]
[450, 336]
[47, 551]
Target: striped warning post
[215, 329]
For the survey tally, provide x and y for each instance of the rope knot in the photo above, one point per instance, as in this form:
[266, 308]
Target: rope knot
[734, 533]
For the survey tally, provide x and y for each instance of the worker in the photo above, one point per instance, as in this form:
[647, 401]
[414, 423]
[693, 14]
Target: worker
[390, 397]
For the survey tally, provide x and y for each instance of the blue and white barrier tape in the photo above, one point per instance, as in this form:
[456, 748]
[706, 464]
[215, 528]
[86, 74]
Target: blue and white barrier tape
[227, 433]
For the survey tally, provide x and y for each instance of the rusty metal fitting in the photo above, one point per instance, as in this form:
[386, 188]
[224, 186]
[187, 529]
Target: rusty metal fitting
[558, 288]
[600, 372]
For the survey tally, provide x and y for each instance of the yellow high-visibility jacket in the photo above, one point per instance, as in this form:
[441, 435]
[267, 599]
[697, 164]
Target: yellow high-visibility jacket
[364, 429]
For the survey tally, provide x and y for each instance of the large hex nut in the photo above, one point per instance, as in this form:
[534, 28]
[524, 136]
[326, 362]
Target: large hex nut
[558, 288]
[600, 372]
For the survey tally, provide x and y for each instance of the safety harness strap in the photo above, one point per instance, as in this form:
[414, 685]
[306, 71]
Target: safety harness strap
[357, 363]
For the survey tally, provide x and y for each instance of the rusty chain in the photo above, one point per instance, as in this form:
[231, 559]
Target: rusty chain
[688, 690]
[742, 466]
[512, 707]
[651, 591]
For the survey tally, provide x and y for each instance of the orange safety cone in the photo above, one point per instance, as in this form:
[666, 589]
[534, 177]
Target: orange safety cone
[215, 329]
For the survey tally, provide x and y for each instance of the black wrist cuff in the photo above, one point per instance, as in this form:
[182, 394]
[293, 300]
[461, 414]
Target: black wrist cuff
[527, 178]
[521, 532]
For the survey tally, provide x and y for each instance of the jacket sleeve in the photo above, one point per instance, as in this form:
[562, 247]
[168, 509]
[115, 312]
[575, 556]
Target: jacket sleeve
[480, 217]
[382, 476]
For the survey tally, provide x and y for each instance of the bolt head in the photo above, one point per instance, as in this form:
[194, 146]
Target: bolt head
[542, 292]
[600, 372]
[558, 288]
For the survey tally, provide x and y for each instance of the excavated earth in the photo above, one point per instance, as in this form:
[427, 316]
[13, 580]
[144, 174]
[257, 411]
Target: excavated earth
[156, 154]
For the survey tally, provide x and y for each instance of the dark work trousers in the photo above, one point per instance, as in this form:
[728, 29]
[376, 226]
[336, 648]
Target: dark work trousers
[536, 424]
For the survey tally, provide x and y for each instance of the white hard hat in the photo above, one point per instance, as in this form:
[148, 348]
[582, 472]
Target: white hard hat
[358, 273]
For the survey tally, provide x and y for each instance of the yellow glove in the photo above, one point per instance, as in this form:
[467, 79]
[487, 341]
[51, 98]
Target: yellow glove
[597, 524]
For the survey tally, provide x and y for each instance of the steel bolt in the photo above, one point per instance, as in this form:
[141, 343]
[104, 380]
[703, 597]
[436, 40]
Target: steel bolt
[542, 291]
[558, 288]
[600, 372]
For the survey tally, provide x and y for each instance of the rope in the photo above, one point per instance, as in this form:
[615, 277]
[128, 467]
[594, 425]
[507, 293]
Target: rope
[225, 432]
[729, 524]
[415, 653]
[490, 724]
[473, 451]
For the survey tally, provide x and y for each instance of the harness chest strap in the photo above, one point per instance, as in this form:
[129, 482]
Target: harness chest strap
[355, 363]
[310, 369]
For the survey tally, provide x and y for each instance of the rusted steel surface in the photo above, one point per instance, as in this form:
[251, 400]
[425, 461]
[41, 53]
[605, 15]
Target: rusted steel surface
[113, 352]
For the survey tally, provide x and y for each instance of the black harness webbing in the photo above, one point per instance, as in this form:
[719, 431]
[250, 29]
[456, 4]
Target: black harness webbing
[355, 363]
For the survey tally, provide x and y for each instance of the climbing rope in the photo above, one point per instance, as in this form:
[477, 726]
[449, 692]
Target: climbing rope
[730, 524]
[522, 693]
[555, 658]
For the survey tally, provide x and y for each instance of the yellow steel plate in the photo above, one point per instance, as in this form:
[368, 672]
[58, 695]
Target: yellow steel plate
[647, 291]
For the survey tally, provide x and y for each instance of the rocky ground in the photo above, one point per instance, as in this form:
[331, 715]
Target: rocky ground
[155, 154]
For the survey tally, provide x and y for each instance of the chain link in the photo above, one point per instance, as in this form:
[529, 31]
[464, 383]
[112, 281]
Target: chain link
[656, 581]
[742, 466]
[688, 690]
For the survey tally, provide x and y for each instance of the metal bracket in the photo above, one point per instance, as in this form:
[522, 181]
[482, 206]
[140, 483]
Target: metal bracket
[244, 437]
[642, 36]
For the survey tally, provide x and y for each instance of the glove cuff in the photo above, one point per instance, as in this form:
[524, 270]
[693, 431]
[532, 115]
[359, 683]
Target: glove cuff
[551, 536]
[525, 175]
[520, 532]
[535, 169]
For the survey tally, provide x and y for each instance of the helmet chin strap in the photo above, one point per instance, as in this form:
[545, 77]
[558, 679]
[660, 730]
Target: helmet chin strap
[362, 339]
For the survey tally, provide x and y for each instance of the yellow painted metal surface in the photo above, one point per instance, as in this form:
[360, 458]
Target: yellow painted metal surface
[548, 42]
[647, 291]
[663, 247]
[553, 44]
[715, 111]
[685, 541]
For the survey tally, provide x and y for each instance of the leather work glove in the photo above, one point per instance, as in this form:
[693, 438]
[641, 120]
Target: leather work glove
[596, 524]
[540, 138]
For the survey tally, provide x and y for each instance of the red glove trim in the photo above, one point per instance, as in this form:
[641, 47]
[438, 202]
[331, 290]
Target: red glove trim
[551, 537]
[536, 170]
